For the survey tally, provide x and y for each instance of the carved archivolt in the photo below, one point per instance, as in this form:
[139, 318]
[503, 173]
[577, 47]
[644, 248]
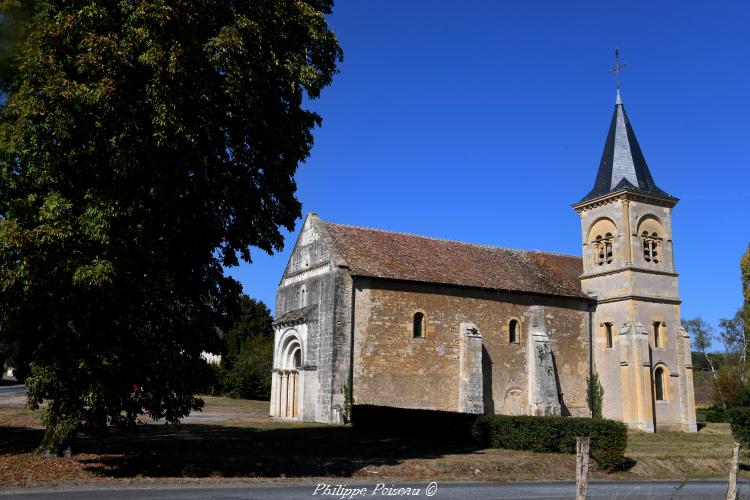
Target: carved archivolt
[289, 352]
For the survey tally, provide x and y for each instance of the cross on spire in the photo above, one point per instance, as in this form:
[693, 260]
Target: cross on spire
[616, 70]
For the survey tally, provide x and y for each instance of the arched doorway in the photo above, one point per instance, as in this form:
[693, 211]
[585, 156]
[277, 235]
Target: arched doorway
[286, 394]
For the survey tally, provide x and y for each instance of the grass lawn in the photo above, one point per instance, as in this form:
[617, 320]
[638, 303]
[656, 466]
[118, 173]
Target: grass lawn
[235, 439]
[666, 455]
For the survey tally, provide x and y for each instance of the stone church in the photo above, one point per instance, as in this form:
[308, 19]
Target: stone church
[401, 320]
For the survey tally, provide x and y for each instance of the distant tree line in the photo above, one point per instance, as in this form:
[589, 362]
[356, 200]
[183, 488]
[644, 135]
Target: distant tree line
[247, 355]
[728, 367]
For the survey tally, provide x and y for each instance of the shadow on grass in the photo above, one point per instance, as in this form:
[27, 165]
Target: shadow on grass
[202, 450]
[19, 439]
[628, 464]
[205, 450]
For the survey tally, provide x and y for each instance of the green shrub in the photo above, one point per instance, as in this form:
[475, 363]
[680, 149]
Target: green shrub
[743, 398]
[554, 435]
[740, 420]
[249, 375]
[595, 395]
[346, 391]
[715, 414]
[211, 378]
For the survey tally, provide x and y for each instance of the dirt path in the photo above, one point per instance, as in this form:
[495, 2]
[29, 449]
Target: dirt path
[14, 394]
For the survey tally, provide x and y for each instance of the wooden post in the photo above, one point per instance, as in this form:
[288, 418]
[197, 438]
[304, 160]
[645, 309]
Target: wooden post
[582, 467]
[732, 488]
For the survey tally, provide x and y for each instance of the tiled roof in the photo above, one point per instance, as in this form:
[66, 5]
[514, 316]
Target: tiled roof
[407, 257]
[298, 315]
[622, 165]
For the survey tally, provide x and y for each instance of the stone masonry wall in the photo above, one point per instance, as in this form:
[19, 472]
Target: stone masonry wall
[635, 293]
[324, 308]
[394, 369]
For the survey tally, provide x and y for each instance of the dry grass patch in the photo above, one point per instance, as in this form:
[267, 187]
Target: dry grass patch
[19, 416]
[215, 404]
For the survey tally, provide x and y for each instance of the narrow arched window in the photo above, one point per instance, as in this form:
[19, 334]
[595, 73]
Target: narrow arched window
[608, 334]
[603, 249]
[599, 248]
[513, 332]
[608, 248]
[303, 296]
[658, 337]
[659, 384]
[418, 327]
[651, 243]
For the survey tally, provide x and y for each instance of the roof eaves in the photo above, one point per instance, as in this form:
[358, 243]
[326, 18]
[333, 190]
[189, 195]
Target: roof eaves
[580, 296]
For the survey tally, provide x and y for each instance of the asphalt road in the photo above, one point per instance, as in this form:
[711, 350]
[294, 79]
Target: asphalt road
[13, 389]
[13, 394]
[653, 490]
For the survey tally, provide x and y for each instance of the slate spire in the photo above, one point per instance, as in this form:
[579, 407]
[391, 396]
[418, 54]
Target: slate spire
[622, 165]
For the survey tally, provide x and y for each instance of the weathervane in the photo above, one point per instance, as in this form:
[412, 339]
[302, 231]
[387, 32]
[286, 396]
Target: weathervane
[617, 68]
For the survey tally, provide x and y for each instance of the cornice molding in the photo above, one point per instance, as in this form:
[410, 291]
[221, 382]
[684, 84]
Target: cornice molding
[632, 269]
[625, 195]
[642, 298]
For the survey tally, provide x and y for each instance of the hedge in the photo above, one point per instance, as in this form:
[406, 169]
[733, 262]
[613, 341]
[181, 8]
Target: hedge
[740, 423]
[540, 434]
[447, 425]
[556, 435]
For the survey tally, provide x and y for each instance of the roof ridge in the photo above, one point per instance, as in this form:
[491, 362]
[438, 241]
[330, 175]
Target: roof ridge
[491, 247]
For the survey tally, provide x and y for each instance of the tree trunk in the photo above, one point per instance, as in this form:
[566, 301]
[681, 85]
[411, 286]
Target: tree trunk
[55, 445]
[713, 372]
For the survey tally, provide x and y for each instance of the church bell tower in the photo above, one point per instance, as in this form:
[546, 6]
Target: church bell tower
[641, 353]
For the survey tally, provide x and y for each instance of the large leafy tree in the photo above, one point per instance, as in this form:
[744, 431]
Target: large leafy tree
[145, 146]
[249, 352]
[254, 320]
[13, 18]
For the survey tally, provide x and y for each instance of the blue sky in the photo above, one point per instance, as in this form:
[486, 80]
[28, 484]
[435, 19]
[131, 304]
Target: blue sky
[484, 121]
